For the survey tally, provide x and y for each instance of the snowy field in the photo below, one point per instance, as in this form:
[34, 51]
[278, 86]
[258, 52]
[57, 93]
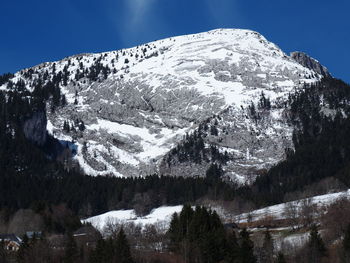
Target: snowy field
[277, 211]
[160, 216]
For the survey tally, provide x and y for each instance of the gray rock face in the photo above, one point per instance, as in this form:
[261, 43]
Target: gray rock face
[253, 144]
[139, 110]
[34, 128]
[310, 63]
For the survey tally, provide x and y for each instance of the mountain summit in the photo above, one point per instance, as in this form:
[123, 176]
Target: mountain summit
[127, 112]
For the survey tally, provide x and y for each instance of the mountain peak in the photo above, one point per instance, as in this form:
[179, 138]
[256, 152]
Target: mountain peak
[138, 103]
[309, 62]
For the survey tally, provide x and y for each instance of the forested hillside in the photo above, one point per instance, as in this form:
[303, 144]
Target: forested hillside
[39, 174]
[33, 173]
[321, 140]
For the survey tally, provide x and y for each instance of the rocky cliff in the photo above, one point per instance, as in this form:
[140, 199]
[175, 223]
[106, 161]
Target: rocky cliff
[128, 111]
[34, 128]
[310, 63]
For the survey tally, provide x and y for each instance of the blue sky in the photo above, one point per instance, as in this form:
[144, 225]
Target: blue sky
[36, 31]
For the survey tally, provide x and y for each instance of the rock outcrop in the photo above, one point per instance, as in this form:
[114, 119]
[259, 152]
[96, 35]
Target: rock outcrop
[34, 128]
[311, 63]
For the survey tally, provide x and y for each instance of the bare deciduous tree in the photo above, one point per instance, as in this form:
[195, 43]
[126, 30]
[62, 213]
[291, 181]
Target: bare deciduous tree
[290, 212]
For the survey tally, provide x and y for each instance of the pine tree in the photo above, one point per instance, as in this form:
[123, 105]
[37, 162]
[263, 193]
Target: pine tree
[123, 254]
[214, 130]
[267, 249]
[345, 257]
[71, 252]
[185, 220]
[280, 258]
[81, 126]
[23, 249]
[3, 256]
[174, 232]
[99, 254]
[316, 247]
[214, 172]
[246, 252]
[232, 248]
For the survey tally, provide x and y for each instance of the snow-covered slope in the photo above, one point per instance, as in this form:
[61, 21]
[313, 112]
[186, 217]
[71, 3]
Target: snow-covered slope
[278, 211]
[160, 216]
[137, 104]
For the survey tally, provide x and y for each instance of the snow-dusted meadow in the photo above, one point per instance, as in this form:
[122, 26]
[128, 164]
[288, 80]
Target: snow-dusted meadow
[158, 216]
[162, 215]
[278, 211]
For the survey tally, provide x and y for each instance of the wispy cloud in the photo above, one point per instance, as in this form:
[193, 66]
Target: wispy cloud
[137, 10]
[225, 12]
[137, 20]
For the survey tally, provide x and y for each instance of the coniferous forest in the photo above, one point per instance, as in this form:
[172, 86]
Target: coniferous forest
[321, 144]
[40, 177]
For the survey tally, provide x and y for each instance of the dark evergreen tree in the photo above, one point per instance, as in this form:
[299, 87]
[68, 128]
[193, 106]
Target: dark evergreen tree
[81, 126]
[316, 249]
[246, 251]
[174, 233]
[280, 258]
[23, 249]
[267, 248]
[198, 235]
[345, 255]
[71, 252]
[264, 103]
[3, 254]
[214, 130]
[232, 250]
[103, 252]
[122, 248]
[214, 172]
[5, 78]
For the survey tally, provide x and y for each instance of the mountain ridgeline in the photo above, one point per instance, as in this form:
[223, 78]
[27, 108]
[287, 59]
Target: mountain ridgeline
[240, 119]
[127, 111]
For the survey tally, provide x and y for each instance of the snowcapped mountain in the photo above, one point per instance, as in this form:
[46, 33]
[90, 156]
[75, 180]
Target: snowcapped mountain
[127, 112]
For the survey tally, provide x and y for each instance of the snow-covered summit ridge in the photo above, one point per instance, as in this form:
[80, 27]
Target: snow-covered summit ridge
[137, 103]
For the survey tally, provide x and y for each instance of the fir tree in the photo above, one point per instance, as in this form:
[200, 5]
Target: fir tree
[122, 247]
[99, 255]
[81, 126]
[232, 249]
[267, 249]
[214, 172]
[246, 252]
[71, 252]
[316, 247]
[280, 258]
[23, 249]
[185, 220]
[345, 257]
[174, 232]
[3, 255]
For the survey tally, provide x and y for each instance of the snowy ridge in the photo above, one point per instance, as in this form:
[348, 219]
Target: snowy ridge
[277, 211]
[151, 95]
